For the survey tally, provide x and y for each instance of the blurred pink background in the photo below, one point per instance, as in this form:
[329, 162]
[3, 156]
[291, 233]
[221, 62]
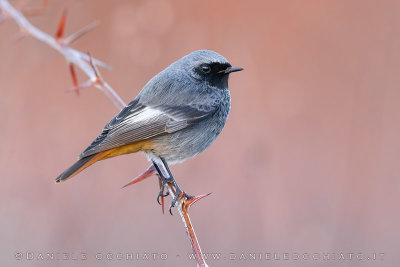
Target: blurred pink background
[307, 163]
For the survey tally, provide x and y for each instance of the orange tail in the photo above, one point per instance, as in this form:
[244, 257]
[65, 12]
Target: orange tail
[80, 165]
[85, 162]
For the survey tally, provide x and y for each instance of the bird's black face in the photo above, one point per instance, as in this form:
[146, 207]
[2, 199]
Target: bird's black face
[216, 74]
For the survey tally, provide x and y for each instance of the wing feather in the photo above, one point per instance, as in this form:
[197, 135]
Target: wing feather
[137, 122]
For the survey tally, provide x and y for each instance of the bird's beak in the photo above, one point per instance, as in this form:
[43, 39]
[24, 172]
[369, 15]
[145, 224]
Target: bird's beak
[231, 69]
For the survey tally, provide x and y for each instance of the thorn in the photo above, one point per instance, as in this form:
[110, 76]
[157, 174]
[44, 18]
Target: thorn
[97, 62]
[97, 77]
[61, 26]
[75, 36]
[74, 78]
[19, 36]
[81, 86]
[162, 197]
[172, 187]
[188, 202]
[149, 172]
[36, 10]
[162, 205]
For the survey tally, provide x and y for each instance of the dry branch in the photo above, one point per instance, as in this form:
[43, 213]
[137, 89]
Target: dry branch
[88, 66]
[79, 59]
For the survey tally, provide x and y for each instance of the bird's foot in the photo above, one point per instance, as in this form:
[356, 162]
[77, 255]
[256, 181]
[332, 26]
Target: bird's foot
[167, 179]
[161, 194]
[176, 199]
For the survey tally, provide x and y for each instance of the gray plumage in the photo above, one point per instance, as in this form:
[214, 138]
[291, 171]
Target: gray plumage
[183, 109]
[177, 115]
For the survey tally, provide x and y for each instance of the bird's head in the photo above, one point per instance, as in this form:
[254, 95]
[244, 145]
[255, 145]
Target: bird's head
[208, 66]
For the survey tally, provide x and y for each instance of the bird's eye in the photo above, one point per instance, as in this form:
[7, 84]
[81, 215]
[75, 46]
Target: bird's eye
[205, 68]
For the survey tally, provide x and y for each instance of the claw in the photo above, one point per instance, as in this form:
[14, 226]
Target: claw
[166, 178]
[161, 193]
[162, 198]
[173, 203]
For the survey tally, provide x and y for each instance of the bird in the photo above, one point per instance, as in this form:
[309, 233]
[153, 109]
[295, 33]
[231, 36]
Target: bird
[176, 116]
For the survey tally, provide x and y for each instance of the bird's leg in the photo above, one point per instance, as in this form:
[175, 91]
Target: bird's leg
[163, 181]
[178, 189]
[168, 178]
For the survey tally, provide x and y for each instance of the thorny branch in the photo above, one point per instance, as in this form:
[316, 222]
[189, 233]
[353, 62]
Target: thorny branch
[61, 45]
[89, 66]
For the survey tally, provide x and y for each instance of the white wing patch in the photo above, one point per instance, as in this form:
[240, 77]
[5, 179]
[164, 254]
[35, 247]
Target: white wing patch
[144, 115]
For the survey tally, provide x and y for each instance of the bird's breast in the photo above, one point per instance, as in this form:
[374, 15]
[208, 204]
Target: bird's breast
[194, 139]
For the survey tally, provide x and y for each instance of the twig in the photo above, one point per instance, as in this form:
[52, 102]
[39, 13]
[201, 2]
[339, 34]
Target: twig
[183, 207]
[88, 66]
[73, 56]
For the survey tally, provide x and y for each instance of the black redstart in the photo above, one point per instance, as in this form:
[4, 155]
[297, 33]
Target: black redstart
[177, 115]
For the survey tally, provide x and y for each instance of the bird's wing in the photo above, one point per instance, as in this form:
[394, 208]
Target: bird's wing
[138, 122]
